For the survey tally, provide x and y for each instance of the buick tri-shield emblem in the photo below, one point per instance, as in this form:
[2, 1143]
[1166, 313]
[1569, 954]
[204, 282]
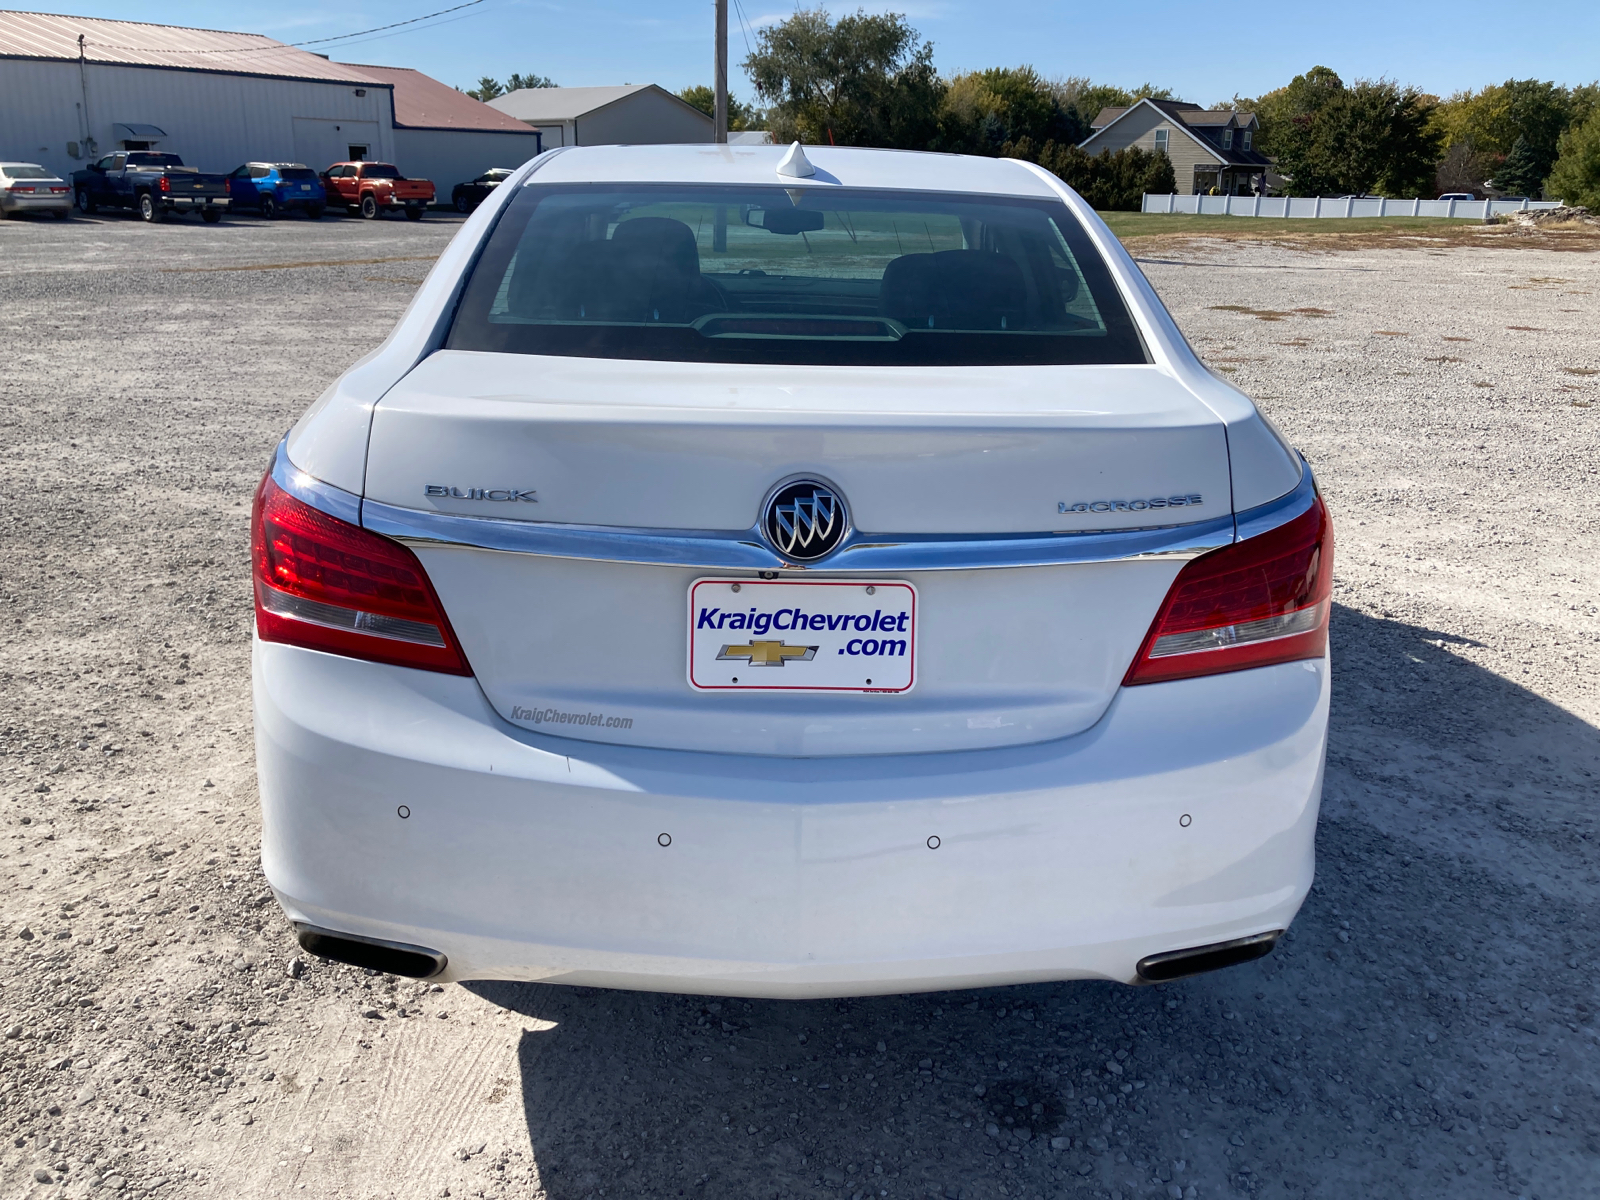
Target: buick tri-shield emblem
[805, 520]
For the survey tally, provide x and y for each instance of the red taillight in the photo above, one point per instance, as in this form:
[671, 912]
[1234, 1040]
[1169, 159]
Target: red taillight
[18, 187]
[59, 191]
[1260, 601]
[326, 584]
[165, 184]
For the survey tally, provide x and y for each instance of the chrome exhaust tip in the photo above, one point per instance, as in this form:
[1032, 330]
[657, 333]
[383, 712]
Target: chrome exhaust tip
[1180, 964]
[392, 958]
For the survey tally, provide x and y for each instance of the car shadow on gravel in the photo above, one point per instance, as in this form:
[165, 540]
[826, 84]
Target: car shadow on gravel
[1425, 1029]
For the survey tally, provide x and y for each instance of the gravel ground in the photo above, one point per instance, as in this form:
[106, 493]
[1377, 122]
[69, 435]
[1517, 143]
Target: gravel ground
[1427, 1029]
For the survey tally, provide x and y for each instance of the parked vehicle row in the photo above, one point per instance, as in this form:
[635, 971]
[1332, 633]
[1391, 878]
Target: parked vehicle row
[158, 185]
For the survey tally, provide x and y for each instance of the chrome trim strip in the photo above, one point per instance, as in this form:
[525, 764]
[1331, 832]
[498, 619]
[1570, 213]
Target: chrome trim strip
[323, 497]
[1277, 512]
[745, 550]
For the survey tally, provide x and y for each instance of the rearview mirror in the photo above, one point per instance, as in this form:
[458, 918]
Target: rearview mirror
[787, 221]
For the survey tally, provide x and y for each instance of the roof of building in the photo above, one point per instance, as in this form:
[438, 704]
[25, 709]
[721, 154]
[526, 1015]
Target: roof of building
[836, 166]
[1203, 126]
[134, 43]
[421, 102]
[542, 106]
[1189, 114]
[1220, 117]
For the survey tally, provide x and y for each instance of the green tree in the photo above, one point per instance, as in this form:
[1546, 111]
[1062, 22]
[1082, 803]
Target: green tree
[517, 82]
[1520, 175]
[1585, 100]
[1089, 98]
[1110, 182]
[740, 116]
[1284, 114]
[488, 88]
[1374, 136]
[1492, 120]
[984, 110]
[861, 81]
[1463, 169]
[1575, 178]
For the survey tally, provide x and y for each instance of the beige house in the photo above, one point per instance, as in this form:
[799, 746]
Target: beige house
[1208, 148]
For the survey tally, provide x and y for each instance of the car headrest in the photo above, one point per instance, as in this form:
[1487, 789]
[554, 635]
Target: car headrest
[667, 241]
[954, 289]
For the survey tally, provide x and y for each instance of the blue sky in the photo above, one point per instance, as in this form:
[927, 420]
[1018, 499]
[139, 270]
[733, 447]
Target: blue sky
[1205, 52]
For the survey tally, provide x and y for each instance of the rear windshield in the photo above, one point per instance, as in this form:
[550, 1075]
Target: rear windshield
[143, 159]
[798, 275]
[25, 173]
[379, 171]
[300, 174]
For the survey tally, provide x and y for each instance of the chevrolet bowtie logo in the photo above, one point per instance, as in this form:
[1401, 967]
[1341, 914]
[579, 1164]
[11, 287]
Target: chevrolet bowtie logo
[768, 654]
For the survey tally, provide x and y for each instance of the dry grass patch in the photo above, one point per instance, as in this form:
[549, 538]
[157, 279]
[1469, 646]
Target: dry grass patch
[1271, 314]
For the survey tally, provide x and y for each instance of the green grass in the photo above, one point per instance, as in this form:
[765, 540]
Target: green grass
[1132, 225]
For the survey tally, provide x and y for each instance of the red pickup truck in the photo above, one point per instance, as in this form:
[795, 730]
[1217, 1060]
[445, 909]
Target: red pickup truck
[374, 187]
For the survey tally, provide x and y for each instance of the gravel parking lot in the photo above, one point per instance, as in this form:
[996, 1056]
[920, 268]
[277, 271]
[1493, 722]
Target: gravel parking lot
[1427, 1029]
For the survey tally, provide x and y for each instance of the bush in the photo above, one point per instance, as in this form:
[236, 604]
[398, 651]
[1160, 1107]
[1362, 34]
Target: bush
[1576, 176]
[1109, 182]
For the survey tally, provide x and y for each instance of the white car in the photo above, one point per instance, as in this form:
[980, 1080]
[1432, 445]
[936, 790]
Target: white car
[28, 187]
[780, 572]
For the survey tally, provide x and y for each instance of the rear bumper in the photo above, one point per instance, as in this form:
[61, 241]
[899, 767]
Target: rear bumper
[13, 203]
[529, 857]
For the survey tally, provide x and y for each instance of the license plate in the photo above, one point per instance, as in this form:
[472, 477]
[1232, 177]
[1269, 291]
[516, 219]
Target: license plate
[305, 187]
[815, 636]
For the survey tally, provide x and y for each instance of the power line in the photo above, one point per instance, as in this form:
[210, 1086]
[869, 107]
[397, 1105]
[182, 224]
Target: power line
[281, 45]
[744, 29]
[394, 25]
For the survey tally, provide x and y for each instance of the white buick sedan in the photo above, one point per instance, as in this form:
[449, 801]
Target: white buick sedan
[788, 573]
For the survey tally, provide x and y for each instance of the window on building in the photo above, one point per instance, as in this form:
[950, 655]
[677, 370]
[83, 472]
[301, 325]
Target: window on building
[1162, 136]
[357, 154]
[1247, 139]
[1227, 139]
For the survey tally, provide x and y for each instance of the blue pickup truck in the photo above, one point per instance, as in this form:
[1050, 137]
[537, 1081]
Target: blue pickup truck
[150, 183]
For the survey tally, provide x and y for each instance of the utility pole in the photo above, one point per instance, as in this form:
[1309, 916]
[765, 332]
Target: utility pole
[720, 118]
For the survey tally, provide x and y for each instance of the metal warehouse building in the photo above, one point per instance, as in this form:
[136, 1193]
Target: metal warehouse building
[639, 114]
[74, 88]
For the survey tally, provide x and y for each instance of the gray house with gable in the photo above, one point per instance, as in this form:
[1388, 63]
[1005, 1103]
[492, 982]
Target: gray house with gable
[1208, 148]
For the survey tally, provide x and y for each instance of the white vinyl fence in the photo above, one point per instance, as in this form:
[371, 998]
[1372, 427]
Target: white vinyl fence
[1328, 206]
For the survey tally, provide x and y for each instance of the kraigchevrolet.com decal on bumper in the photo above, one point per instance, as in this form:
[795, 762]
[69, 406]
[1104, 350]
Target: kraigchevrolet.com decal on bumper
[556, 716]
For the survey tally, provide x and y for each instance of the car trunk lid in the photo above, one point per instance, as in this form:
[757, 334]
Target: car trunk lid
[594, 649]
